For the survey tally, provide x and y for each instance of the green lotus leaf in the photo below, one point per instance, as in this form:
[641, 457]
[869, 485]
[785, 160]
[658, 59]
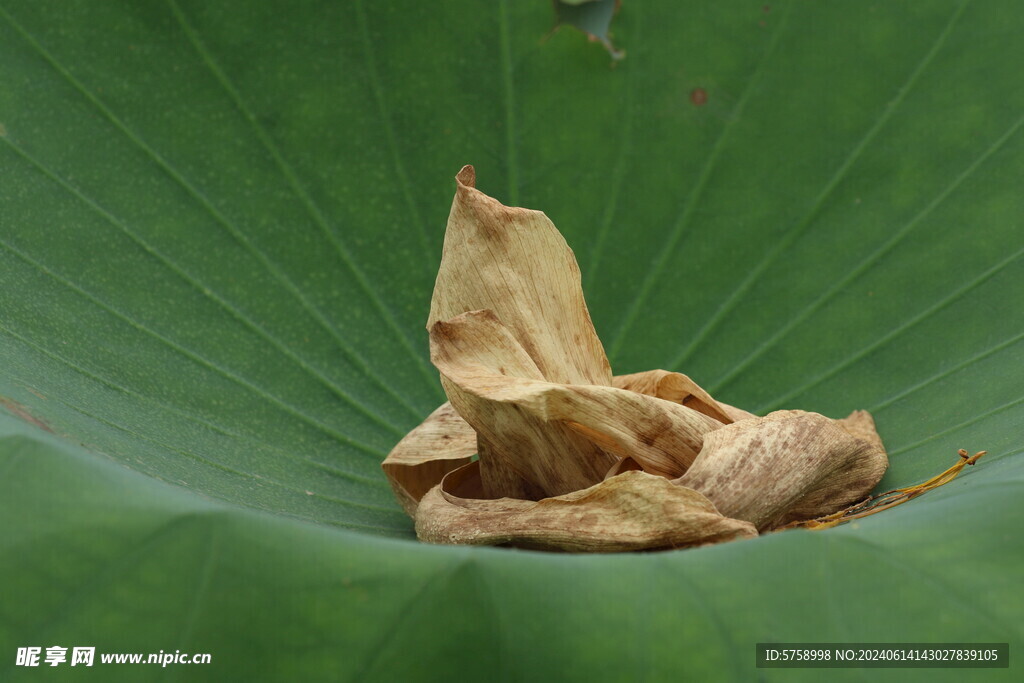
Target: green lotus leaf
[219, 228]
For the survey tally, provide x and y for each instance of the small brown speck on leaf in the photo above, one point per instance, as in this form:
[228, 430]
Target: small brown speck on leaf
[20, 411]
[698, 97]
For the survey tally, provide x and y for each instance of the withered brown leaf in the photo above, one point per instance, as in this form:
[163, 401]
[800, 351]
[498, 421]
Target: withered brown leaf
[631, 511]
[571, 458]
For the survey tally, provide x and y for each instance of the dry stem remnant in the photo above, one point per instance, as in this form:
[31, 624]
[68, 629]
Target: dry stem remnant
[573, 458]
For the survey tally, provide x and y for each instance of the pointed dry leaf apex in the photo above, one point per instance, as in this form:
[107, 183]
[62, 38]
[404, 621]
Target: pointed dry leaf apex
[571, 458]
[515, 263]
[466, 177]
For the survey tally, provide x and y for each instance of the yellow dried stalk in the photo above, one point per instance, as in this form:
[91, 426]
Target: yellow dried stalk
[574, 459]
[883, 501]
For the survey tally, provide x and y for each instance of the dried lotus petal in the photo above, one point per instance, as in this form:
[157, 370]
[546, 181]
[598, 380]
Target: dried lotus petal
[786, 466]
[514, 262]
[440, 444]
[475, 352]
[571, 458]
[523, 455]
[631, 511]
[678, 388]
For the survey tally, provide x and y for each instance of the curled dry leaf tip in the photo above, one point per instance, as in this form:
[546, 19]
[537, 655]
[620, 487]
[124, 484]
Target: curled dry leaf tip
[571, 458]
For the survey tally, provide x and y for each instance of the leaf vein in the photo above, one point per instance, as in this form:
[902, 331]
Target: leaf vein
[869, 261]
[194, 357]
[678, 231]
[233, 311]
[867, 350]
[799, 228]
[260, 444]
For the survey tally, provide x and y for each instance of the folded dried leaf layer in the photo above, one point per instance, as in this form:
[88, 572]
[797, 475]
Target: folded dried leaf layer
[571, 458]
[631, 511]
[678, 388]
[515, 263]
[501, 394]
[442, 443]
[787, 465]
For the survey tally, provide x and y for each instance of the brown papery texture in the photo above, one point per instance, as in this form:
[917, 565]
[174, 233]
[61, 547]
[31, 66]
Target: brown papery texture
[475, 352]
[445, 441]
[632, 511]
[572, 459]
[442, 443]
[514, 262]
[678, 388]
[786, 466]
[860, 424]
[481, 366]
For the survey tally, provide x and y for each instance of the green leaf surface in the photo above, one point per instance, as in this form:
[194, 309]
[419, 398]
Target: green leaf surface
[219, 228]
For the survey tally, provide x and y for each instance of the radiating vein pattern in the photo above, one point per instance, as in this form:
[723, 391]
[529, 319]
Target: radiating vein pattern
[219, 227]
[798, 229]
[679, 228]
